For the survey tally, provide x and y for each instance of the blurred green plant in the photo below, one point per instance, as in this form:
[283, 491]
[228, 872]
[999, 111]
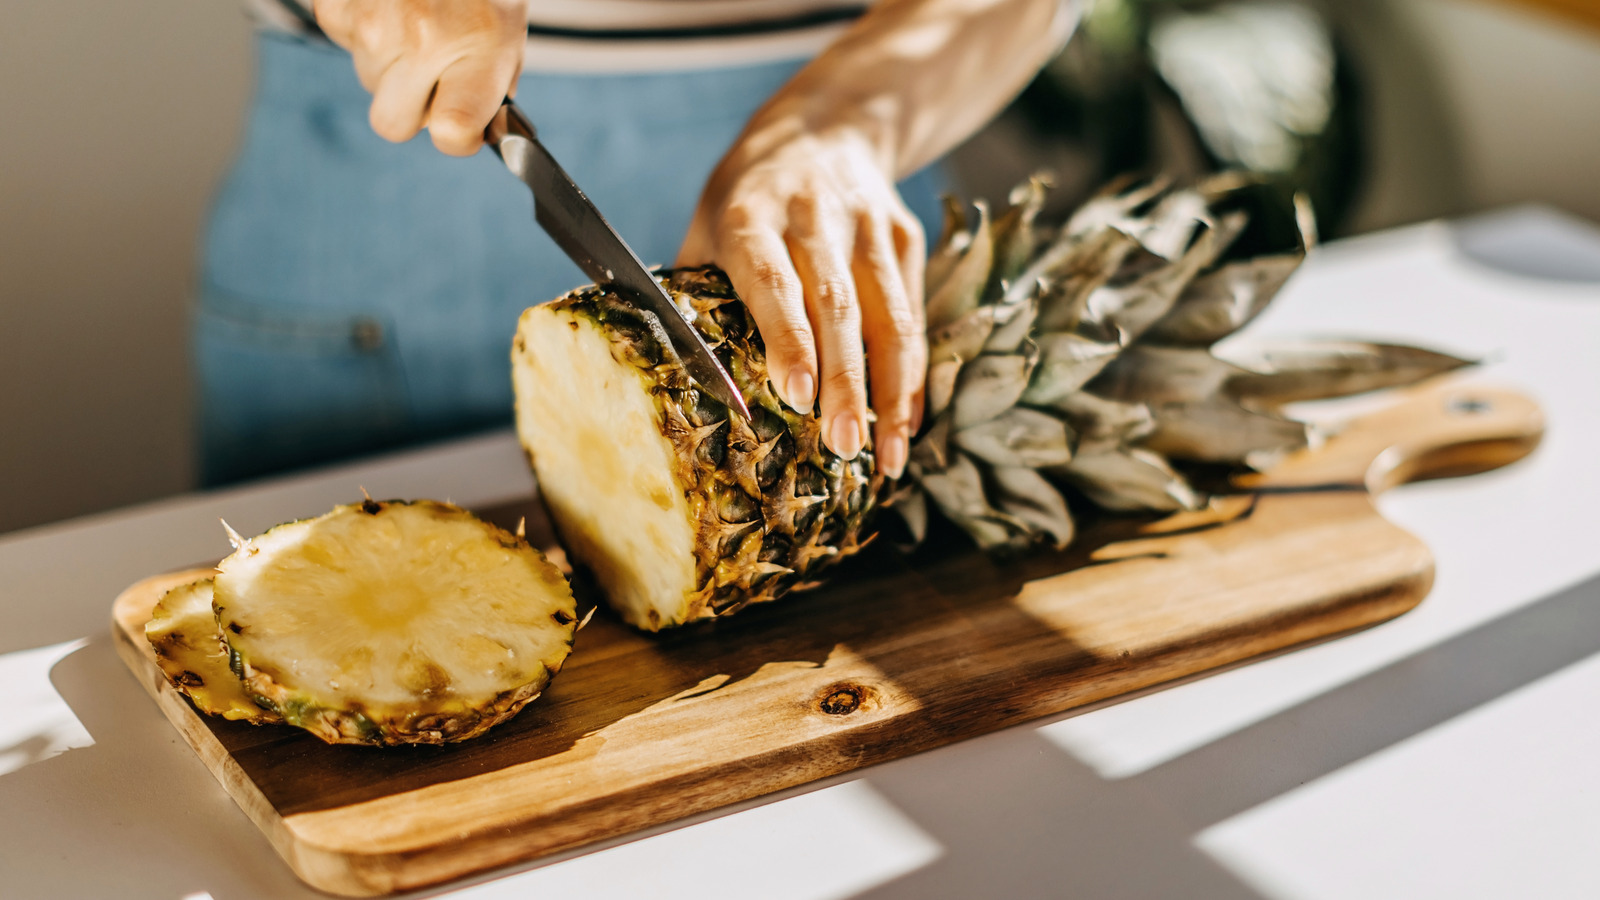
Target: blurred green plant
[1187, 87]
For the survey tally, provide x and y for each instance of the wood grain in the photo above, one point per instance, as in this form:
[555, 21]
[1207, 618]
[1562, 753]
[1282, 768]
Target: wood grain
[896, 655]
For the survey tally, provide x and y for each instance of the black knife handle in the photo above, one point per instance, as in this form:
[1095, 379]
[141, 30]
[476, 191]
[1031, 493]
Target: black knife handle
[508, 122]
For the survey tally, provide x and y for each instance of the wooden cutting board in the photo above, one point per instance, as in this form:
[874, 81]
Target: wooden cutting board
[894, 656]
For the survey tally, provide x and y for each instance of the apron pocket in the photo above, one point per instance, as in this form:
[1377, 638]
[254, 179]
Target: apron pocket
[282, 387]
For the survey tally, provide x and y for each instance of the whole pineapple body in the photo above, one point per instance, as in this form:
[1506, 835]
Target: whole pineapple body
[1069, 364]
[680, 509]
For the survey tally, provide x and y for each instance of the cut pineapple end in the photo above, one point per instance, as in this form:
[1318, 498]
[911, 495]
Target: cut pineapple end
[606, 470]
[190, 650]
[413, 621]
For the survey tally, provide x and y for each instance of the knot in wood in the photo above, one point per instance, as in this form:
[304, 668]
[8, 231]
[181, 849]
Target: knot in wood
[840, 700]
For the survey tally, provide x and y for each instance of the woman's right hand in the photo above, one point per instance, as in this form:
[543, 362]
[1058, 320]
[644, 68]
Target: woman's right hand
[443, 65]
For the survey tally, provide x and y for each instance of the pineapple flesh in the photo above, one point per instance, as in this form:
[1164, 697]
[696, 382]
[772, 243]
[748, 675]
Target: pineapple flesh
[681, 510]
[191, 652]
[393, 623]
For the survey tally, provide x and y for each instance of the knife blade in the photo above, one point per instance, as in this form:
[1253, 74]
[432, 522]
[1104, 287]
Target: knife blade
[571, 219]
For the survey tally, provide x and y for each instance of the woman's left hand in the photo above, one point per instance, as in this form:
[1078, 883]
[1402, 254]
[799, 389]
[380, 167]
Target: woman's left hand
[816, 240]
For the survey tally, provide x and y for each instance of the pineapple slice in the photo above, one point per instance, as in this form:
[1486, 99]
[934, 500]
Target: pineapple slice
[190, 650]
[394, 623]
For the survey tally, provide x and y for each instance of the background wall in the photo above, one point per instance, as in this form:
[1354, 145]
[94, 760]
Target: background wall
[117, 119]
[1478, 105]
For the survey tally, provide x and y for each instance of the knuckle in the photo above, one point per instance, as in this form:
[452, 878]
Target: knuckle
[901, 333]
[897, 366]
[845, 379]
[453, 129]
[770, 279]
[455, 144]
[894, 330]
[908, 231]
[740, 216]
[836, 302]
[894, 414]
[371, 33]
[388, 126]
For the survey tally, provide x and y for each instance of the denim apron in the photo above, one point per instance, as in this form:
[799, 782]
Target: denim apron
[357, 295]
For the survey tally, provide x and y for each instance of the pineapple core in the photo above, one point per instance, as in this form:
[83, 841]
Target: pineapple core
[605, 469]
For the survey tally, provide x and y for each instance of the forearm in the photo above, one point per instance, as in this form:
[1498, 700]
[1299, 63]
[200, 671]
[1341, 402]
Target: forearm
[916, 77]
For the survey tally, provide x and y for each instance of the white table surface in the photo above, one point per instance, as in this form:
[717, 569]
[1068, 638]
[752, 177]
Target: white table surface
[1454, 752]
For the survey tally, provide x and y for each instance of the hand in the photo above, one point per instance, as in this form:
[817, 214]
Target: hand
[443, 65]
[816, 240]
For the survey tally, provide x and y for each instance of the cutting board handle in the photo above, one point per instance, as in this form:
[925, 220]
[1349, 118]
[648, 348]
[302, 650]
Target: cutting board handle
[1437, 429]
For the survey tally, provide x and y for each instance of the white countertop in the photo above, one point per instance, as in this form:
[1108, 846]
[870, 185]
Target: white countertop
[1453, 752]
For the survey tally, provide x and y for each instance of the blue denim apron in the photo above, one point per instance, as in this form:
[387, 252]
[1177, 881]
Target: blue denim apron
[357, 295]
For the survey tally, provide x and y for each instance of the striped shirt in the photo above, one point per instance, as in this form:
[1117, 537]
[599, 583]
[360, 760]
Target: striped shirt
[648, 35]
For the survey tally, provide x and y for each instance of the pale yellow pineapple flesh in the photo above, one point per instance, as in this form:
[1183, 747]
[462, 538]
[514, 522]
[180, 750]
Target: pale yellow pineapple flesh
[394, 623]
[606, 471]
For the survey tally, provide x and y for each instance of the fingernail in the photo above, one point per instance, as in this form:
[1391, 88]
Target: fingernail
[846, 435]
[916, 415]
[892, 452]
[800, 392]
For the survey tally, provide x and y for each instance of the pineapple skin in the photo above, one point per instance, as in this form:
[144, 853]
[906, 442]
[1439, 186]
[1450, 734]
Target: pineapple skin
[771, 506]
[457, 722]
[436, 722]
[198, 663]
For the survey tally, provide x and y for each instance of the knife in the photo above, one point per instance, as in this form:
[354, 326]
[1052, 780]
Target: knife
[563, 210]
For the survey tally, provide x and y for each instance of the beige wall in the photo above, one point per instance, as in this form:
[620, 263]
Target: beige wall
[1476, 105]
[117, 118]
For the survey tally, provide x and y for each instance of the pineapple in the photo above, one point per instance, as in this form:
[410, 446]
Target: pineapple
[1068, 360]
[681, 511]
[376, 623]
[190, 650]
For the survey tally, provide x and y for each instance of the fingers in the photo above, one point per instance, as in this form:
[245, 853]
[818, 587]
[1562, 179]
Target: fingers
[896, 348]
[454, 98]
[819, 286]
[757, 262]
[911, 249]
[400, 98]
[469, 93]
[443, 65]
[822, 247]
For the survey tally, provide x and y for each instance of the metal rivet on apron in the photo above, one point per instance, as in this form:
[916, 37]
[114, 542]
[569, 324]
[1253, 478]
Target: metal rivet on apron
[366, 334]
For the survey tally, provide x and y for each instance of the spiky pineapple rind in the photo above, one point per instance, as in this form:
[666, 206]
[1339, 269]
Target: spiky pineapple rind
[436, 725]
[771, 506]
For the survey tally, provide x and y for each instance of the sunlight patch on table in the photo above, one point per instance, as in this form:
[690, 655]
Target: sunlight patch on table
[1503, 801]
[1502, 540]
[825, 845]
[37, 723]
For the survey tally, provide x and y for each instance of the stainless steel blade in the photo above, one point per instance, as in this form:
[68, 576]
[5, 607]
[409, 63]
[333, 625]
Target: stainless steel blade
[570, 218]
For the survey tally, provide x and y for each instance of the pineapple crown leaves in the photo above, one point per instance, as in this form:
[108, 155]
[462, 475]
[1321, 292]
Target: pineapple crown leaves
[1081, 356]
